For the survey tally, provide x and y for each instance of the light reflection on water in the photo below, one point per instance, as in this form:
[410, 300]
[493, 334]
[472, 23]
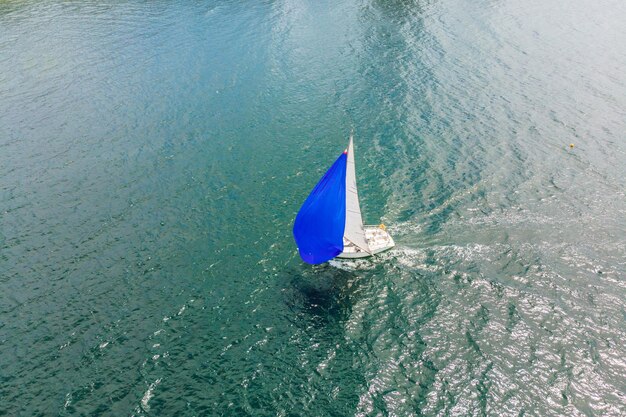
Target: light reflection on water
[153, 156]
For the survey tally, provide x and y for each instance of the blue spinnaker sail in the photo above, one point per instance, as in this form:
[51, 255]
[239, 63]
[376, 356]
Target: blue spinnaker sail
[321, 221]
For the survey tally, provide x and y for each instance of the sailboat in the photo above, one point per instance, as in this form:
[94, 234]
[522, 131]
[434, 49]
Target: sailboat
[329, 224]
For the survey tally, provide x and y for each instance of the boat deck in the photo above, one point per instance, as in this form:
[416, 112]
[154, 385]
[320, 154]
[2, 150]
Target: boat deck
[377, 238]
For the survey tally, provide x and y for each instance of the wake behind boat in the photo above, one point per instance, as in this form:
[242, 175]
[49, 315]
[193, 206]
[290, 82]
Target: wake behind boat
[329, 224]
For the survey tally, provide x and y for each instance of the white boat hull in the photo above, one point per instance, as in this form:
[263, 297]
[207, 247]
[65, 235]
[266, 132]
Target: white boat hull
[378, 241]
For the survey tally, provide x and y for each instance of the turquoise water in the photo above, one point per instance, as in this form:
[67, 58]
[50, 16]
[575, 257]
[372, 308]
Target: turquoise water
[153, 156]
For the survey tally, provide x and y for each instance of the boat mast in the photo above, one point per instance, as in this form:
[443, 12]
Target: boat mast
[354, 231]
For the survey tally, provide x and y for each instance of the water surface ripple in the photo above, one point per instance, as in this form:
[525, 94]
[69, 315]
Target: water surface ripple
[153, 156]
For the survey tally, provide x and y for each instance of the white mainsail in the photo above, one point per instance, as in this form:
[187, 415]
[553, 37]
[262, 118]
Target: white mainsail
[354, 231]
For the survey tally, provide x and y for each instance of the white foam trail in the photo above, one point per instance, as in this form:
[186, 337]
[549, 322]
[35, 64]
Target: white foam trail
[352, 264]
[149, 394]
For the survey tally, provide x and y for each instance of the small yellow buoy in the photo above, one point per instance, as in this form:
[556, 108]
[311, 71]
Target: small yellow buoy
[571, 145]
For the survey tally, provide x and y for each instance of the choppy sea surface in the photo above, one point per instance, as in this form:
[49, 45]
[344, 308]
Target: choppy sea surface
[153, 156]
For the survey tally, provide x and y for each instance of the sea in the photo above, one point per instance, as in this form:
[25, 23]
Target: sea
[154, 154]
